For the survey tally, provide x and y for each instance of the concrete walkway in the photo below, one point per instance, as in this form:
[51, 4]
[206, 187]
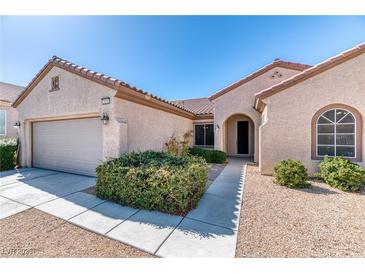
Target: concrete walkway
[210, 230]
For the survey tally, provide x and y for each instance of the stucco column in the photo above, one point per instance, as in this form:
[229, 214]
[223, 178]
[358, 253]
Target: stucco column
[123, 135]
[25, 137]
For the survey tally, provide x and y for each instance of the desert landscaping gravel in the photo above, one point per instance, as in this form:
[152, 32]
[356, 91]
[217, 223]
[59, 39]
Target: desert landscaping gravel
[317, 222]
[33, 233]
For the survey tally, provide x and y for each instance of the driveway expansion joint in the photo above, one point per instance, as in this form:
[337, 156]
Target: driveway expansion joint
[200, 233]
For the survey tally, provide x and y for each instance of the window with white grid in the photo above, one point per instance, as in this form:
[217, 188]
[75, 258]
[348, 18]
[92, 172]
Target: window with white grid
[336, 134]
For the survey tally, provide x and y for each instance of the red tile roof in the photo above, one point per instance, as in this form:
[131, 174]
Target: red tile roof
[199, 106]
[308, 73]
[92, 75]
[9, 92]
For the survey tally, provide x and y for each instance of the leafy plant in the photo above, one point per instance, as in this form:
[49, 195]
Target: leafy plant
[177, 147]
[291, 173]
[154, 181]
[342, 174]
[210, 155]
[8, 148]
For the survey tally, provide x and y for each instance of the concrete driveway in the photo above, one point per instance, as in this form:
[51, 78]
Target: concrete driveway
[210, 230]
[30, 187]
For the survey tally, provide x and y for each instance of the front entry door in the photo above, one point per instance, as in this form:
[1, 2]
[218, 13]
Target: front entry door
[242, 137]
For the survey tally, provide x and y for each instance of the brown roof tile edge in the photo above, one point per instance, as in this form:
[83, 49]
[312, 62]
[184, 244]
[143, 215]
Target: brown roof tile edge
[274, 64]
[9, 92]
[89, 74]
[199, 106]
[308, 73]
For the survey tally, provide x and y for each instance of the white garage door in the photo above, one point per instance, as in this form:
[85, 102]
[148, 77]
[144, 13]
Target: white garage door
[68, 145]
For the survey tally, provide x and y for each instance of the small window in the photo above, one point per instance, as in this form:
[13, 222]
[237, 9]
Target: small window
[2, 122]
[204, 135]
[55, 85]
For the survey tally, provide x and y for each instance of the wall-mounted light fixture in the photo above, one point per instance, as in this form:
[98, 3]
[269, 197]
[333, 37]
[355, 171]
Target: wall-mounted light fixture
[217, 126]
[105, 100]
[104, 118]
[17, 125]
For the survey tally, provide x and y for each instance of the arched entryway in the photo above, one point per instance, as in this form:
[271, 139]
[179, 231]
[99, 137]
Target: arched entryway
[239, 136]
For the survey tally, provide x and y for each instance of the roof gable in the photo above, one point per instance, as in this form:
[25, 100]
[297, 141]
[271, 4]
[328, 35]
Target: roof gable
[124, 90]
[308, 73]
[277, 63]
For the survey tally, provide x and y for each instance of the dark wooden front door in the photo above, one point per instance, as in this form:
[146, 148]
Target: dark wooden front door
[242, 137]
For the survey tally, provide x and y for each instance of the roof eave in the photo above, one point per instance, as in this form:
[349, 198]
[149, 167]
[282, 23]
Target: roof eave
[259, 105]
[204, 116]
[130, 93]
[147, 100]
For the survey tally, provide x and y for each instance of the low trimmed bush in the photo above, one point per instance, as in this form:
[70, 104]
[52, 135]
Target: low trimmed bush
[153, 181]
[342, 174]
[8, 147]
[291, 173]
[210, 155]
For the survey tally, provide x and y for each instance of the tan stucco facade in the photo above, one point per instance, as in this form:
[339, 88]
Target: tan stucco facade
[131, 126]
[280, 122]
[230, 137]
[76, 98]
[148, 128]
[240, 101]
[286, 128]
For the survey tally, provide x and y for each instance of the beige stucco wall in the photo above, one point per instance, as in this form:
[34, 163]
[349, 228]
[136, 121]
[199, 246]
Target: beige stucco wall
[241, 101]
[131, 126]
[149, 128]
[77, 97]
[287, 131]
[11, 117]
[231, 135]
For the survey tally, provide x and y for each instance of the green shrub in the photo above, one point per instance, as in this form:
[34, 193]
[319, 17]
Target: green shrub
[342, 174]
[291, 173]
[153, 181]
[210, 155]
[8, 147]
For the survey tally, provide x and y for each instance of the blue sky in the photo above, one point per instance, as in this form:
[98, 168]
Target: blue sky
[172, 56]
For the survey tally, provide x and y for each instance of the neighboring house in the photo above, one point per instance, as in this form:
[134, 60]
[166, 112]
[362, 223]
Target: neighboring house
[72, 118]
[8, 114]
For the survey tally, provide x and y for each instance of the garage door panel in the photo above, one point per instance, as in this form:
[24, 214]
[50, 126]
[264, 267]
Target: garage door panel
[68, 145]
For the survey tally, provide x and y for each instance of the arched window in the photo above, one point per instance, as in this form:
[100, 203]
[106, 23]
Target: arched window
[336, 134]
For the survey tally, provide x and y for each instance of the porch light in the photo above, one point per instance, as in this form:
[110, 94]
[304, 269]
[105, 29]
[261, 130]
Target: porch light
[104, 118]
[17, 125]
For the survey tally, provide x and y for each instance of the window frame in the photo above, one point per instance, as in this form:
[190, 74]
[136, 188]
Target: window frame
[5, 122]
[334, 134]
[204, 137]
[53, 79]
[357, 132]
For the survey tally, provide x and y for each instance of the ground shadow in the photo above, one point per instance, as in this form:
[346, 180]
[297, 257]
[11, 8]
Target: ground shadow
[316, 189]
[41, 182]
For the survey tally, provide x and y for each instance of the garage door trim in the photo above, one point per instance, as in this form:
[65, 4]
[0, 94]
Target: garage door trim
[65, 118]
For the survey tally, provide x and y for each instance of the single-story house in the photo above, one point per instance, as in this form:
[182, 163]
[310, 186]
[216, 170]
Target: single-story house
[72, 118]
[8, 114]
